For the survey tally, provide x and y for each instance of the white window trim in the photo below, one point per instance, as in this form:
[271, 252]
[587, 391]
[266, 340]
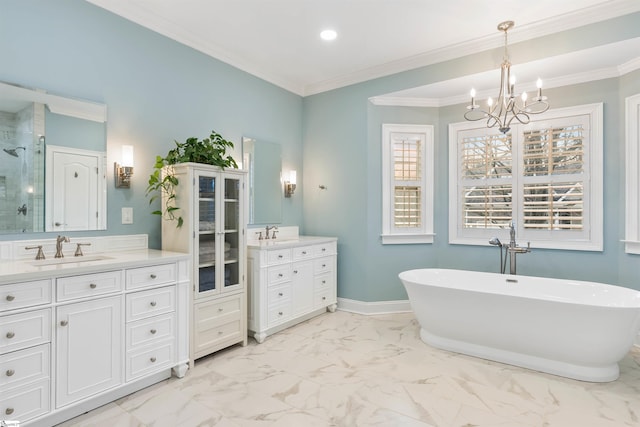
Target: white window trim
[594, 242]
[632, 186]
[425, 233]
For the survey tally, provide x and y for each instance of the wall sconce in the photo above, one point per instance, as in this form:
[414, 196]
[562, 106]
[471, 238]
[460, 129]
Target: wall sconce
[124, 171]
[290, 185]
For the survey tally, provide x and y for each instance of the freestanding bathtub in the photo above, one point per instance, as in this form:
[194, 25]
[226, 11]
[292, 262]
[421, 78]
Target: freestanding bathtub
[570, 328]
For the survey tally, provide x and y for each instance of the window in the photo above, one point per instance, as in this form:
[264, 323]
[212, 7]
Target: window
[407, 184]
[545, 176]
[632, 223]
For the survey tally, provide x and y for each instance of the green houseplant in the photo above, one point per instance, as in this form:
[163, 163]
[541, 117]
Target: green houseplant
[209, 151]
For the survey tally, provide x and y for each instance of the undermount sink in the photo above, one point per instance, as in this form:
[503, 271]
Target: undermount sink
[70, 260]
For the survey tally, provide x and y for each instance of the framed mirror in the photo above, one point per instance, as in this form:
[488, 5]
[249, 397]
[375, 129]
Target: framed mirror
[30, 122]
[263, 161]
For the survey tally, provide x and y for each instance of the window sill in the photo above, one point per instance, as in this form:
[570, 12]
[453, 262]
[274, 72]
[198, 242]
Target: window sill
[631, 247]
[406, 239]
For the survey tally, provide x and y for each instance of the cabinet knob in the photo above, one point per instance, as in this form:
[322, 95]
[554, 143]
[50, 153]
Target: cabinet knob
[10, 298]
[153, 303]
[10, 372]
[220, 310]
[10, 335]
[8, 411]
[295, 271]
[324, 249]
[153, 359]
[279, 313]
[324, 298]
[93, 286]
[64, 322]
[304, 252]
[324, 282]
[279, 256]
[153, 276]
[324, 265]
[279, 294]
[279, 274]
[153, 331]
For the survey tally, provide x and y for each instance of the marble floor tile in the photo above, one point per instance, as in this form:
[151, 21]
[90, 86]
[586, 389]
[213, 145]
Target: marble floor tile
[344, 369]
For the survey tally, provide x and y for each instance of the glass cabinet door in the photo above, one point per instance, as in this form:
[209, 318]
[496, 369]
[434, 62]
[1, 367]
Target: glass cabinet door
[206, 238]
[231, 233]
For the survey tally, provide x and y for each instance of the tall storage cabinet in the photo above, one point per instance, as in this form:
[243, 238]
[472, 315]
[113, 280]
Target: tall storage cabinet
[212, 205]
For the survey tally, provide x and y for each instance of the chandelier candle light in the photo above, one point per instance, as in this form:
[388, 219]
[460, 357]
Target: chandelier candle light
[507, 106]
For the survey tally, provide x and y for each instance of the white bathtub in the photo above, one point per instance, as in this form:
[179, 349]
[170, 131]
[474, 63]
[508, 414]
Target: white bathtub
[570, 328]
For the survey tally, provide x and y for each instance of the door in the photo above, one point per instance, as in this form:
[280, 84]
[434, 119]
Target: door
[74, 193]
[89, 348]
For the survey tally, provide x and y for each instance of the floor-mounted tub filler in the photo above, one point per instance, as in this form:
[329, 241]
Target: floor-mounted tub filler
[570, 328]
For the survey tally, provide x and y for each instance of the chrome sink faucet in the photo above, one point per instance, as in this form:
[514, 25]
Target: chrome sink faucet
[59, 241]
[268, 228]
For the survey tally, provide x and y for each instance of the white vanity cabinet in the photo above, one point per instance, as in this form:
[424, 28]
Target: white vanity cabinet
[89, 333]
[211, 202]
[289, 282]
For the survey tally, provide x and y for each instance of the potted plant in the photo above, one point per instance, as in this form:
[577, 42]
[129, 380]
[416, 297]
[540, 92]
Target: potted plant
[210, 151]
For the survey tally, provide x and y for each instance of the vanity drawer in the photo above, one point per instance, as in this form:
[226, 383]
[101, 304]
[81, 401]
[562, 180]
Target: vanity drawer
[217, 312]
[303, 252]
[328, 248]
[24, 366]
[152, 330]
[323, 265]
[279, 314]
[151, 276]
[279, 274]
[72, 287]
[323, 282]
[210, 335]
[278, 256]
[143, 304]
[278, 294]
[25, 402]
[150, 359]
[24, 330]
[25, 294]
[321, 299]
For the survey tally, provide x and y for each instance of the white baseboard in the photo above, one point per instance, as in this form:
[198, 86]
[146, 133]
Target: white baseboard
[369, 308]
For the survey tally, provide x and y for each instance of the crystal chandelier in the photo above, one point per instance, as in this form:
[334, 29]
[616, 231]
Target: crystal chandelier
[507, 106]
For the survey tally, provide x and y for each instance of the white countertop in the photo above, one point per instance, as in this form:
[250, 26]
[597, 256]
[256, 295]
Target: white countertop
[288, 243]
[22, 270]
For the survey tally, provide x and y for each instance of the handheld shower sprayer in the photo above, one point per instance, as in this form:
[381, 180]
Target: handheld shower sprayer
[496, 242]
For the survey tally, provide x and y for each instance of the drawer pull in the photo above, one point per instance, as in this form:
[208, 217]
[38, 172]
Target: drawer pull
[220, 332]
[8, 411]
[279, 313]
[279, 274]
[279, 294]
[10, 335]
[93, 286]
[153, 276]
[64, 323]
[324, 298]
[153, 303]
[324, 282]
[279, 256]
[10, 372]
[295, 271]
[220, 310]
[10, 298]
[324, 249]
[304, 252]
[153, 359]
[324, 265]
[153, 331]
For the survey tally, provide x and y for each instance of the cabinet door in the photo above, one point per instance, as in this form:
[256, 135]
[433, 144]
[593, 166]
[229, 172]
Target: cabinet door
[89, 348]
[302, 287]
[206, 241]
[231, 244]
[218, 243]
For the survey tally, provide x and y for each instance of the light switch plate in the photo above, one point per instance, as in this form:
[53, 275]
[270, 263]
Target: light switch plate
[127, 215]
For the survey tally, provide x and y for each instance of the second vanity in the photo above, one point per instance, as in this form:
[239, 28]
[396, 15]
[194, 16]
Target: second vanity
[76, 333]
[290, 280]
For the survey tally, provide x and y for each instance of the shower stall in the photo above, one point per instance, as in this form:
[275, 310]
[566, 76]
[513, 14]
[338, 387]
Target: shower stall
[22, 170]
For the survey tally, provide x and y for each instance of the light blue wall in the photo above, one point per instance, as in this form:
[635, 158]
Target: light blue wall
[342, 138]
[156, 90]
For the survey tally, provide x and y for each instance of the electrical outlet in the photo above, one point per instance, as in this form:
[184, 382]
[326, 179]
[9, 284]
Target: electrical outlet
[127, 215]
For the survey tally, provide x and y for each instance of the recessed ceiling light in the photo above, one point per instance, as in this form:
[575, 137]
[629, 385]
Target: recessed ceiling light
[328, 35]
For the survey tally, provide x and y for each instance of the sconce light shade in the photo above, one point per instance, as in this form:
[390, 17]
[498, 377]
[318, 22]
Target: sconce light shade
[290, 185]
[123, 172]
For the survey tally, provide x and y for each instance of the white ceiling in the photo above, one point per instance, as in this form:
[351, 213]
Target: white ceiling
[278, 40]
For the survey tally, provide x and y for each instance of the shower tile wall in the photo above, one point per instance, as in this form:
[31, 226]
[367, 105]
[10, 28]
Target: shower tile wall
[17, 176]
